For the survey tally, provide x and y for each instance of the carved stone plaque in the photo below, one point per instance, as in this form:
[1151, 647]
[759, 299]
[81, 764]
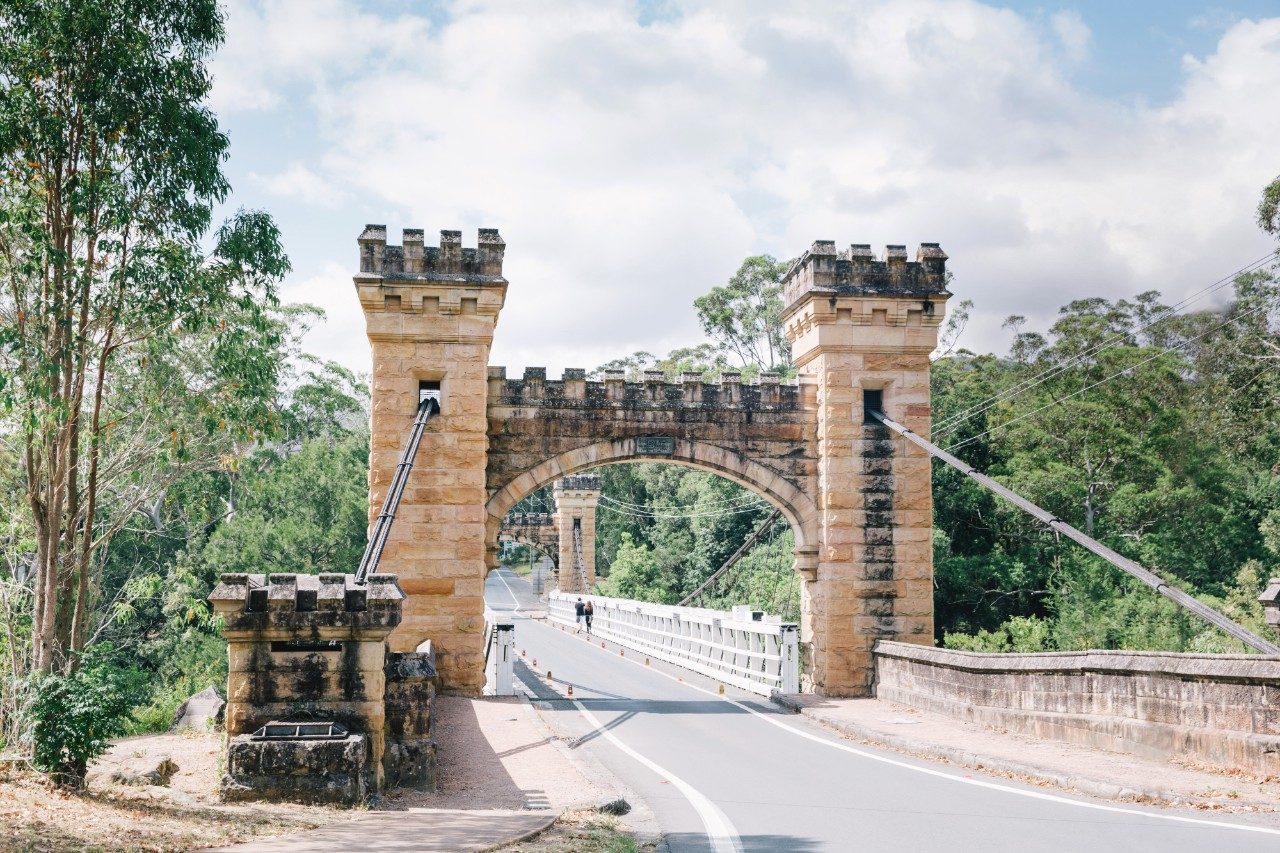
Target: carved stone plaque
[655, 444]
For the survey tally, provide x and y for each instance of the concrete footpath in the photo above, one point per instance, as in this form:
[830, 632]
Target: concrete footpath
[1089, 771]
[502, 776]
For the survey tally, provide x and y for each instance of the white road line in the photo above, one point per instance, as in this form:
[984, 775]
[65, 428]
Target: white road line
[719, 829]
[861, 753]
[514, 600]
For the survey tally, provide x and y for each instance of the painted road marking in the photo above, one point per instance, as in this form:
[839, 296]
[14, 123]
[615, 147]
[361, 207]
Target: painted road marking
[719, 829]
[514, 600]
[994, 786]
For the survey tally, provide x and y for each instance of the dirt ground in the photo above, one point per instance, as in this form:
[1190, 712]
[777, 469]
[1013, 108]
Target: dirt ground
[493, 754]
[113, 818]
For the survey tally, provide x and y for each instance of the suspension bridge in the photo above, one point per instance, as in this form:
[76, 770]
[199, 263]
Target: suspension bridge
[678, 695]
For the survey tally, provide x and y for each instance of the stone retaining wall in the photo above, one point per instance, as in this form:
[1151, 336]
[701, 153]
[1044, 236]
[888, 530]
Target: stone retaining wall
[1222, 710]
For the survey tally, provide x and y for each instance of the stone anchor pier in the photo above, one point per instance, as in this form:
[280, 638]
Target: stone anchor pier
[310, 650]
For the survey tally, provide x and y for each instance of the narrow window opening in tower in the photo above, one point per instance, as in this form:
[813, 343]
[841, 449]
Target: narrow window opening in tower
[872, 401]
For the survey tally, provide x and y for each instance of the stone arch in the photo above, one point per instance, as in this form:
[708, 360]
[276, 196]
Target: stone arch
[548, 551]
[796, 506]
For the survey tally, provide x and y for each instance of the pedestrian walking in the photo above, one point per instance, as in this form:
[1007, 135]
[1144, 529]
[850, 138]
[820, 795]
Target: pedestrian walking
[580, 610]
[587, 613]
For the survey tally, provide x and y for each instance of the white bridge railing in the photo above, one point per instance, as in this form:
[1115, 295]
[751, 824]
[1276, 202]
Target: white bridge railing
[742, 647]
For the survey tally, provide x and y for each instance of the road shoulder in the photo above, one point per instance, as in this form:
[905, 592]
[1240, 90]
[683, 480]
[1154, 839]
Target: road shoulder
[1070, 767]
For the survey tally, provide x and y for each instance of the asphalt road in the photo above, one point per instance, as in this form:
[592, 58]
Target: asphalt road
[735, 773]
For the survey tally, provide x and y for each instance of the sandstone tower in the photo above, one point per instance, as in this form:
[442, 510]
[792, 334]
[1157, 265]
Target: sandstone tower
[576, 500]
[861, 332]
[431, 313]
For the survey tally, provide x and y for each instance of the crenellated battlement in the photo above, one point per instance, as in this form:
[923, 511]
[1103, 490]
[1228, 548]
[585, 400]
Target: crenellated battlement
[857, 271]
[766, 392]
[449, 261]
[579, 483]
[527, 519]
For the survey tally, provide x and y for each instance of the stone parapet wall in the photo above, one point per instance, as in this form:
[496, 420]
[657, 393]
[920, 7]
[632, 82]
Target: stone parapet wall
[1222, 710]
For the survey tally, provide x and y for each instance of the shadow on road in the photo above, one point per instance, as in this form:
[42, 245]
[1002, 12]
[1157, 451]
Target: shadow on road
[750, 843]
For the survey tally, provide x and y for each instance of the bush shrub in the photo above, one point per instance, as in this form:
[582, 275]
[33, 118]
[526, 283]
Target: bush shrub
[77, 715]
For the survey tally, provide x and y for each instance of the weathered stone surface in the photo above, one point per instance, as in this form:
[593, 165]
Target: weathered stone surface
[202, 710]
[1212, 708]
[159, 773]
[313, 648]
[576, 499]
[307, 771]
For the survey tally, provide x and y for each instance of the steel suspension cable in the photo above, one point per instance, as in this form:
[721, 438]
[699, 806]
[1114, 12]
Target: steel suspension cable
[728, 564]
[1143, 574]
[429, 406]
[755, 507]
[740, 499]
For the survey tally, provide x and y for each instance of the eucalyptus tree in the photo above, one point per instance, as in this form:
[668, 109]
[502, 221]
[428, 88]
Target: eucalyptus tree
[744, 316]
[129, 335]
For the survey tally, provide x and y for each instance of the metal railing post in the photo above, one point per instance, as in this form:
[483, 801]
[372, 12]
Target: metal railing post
[504, 661]
[790, 650]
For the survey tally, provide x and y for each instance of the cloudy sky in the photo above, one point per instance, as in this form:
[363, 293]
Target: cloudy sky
[632, 153]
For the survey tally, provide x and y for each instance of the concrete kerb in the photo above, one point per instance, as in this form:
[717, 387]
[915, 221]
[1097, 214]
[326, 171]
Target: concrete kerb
[528, 836]
[1002, 767]
[640, 821]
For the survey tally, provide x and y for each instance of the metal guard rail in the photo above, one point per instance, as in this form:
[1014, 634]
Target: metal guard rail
[761, 654]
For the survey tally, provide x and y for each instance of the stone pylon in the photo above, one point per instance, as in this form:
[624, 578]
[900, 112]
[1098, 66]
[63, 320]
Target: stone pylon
[430, 314]
[576, 499]
[861, 332]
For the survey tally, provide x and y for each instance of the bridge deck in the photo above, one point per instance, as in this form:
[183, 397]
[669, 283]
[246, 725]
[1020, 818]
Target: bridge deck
[767, 780]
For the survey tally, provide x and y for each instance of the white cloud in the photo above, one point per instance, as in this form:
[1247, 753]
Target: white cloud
[1073, 32]
[631, 167]
[341, 337]
[272, 44]
[301, 183]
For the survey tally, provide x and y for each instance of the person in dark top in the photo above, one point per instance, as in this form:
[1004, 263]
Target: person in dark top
[588, 612]
[579, 609]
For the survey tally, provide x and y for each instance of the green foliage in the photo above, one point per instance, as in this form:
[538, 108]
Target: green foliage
[135, 345]
[636, 573]
[1269, 208]
[1159, 440]
[744, 317]
[77, 715]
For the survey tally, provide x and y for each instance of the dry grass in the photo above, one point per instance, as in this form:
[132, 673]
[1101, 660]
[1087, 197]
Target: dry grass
[107, 817]
[583, 832]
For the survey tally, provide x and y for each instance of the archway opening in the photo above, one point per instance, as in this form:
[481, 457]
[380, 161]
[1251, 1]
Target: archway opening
[664, 529]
